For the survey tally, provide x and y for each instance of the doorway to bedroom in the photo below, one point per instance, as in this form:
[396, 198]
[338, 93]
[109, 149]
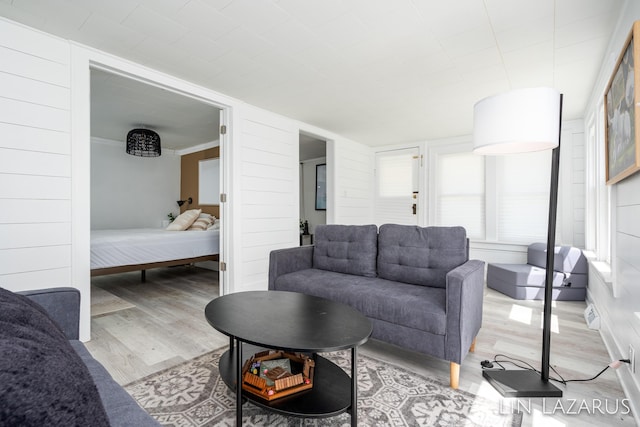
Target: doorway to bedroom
[137, 192]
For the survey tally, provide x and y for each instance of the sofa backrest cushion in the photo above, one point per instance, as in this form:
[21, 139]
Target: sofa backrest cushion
[567, 259]
[350, 249]
[420, 255]
[43, 381]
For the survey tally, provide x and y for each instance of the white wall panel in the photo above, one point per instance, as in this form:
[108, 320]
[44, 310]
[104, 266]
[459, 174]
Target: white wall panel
[261, 170]
[34, 163]
[34, 259]
[258, 210]
[258, 224]
[37, 279]
[258, 156]
[269, 197]
[34, 67]
[34, 139]
[34, 43]
[34, 91]
[31, 211]
[264, 238]
[38, 116]
[255, 253]
[353, 185]
[265, 201]
[629, 220]
[34, 187]
[13, 236]
[256, 183]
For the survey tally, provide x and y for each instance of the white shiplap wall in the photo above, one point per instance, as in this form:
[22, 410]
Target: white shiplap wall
[35, 159]
[351, 165]
[620, 310]
[265, 199]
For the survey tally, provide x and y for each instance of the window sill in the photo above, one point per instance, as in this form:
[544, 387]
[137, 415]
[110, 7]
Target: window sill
[603, 268]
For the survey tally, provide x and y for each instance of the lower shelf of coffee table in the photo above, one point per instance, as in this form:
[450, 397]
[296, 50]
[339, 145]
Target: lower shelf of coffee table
[330, 395]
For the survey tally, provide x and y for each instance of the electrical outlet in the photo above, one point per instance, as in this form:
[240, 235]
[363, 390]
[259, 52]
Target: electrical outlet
[632, 359]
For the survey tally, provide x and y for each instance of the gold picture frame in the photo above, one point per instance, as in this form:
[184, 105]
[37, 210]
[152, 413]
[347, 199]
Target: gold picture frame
[622, 113]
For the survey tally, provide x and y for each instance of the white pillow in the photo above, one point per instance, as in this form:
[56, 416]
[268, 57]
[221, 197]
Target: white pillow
[184, 220]
[201, 223]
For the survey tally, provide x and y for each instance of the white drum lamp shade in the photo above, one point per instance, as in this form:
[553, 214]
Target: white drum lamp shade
[518, 121]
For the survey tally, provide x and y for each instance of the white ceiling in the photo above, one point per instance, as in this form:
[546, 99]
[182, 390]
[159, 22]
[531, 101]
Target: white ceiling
[376, 71]
[119, 104]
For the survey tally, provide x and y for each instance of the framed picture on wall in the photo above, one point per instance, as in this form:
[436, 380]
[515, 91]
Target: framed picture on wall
[321, 187]
[622, 113]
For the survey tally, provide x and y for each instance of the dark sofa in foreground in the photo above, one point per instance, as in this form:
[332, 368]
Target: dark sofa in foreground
[47, 376]
[417, 285]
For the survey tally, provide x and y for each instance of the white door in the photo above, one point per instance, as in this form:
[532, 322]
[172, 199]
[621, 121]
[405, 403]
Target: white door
[397, 186]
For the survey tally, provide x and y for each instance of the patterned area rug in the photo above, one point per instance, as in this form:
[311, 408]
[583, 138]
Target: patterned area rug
[193, 394]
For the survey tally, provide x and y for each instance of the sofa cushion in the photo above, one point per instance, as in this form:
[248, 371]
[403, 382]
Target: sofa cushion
[417, 307]
[420, 255]
[350, 249]
[42, 379]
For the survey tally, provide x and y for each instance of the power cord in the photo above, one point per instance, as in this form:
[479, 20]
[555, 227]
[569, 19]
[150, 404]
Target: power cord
[499, 359]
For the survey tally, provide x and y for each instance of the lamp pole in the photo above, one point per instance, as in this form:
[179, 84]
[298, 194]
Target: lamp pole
[551, 242]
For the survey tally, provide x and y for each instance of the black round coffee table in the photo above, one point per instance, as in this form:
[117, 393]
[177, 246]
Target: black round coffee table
[293, 322]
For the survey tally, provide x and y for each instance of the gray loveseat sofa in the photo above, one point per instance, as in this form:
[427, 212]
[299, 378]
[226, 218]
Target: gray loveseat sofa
[47, 376]
[416, 285]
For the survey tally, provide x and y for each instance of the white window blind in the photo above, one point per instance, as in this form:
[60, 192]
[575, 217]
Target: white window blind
[460, 187]
[523, 197]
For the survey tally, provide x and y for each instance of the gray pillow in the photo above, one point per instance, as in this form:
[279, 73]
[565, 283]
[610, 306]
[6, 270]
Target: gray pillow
[350, 249]
[420, 255]
[43, 381]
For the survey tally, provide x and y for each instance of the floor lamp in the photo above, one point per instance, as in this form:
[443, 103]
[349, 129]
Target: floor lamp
[520, 121]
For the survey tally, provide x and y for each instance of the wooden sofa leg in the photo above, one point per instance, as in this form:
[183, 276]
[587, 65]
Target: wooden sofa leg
[472, 349]
[454, 375]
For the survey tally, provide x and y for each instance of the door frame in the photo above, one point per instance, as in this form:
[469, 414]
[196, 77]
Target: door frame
[83, 59]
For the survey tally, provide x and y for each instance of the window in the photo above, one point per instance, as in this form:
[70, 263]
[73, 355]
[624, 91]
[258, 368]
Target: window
[460, 191]
[496, 198]
[598, 236]
[522, 190]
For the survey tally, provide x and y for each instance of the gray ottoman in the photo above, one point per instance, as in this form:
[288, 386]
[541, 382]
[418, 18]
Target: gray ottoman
[526, 281]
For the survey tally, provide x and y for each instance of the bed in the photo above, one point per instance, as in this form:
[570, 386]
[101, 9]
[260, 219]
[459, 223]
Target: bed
[119, 251]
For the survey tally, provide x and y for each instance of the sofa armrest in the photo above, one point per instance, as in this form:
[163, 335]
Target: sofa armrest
[283, 261]
[63, 306]
[465, 292]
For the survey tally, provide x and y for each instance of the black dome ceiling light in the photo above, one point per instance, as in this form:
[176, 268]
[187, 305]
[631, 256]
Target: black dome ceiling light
[143, 143]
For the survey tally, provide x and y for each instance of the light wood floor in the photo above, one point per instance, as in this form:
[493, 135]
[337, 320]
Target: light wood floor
[166, 326]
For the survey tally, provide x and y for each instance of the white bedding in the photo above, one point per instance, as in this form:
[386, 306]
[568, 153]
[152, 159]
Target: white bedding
[113, 248]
